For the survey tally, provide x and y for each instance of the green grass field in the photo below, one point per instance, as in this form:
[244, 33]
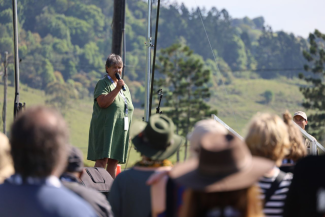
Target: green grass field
[236, 104]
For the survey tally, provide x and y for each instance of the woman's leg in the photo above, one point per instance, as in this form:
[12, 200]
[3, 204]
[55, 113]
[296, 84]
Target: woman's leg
[101, 163]
[111, 167]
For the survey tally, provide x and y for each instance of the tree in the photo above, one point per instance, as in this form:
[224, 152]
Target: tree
[184, 82]
[315, 92]
[268, 95]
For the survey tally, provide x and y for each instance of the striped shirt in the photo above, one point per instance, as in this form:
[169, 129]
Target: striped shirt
[274, 207]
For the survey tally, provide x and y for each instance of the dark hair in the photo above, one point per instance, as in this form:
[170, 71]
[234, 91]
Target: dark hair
[113, 59]
[39, 138]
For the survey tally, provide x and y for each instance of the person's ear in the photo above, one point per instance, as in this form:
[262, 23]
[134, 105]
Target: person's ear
[306, 122]
[106, 68]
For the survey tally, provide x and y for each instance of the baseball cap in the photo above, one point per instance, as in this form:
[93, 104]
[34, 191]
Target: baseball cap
[300, 113]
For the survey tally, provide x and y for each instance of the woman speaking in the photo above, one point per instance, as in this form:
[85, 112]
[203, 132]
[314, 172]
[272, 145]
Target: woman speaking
[111, 118]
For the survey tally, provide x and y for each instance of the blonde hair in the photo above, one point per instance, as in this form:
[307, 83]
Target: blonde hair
[297, 147]
[245, 201]
[268, 137]
[6, 165]
[200, 129]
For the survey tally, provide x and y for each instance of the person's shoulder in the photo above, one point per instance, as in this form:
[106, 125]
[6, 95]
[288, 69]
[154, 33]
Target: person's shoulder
[67, 202]
[123, 175]
[82, 190]
[103, 80]
[96, 199]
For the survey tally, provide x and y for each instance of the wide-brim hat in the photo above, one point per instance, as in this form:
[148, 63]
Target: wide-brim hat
[158, 141]
[224, 164]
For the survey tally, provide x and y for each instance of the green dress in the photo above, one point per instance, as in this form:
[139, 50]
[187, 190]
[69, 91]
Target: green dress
[107, 137]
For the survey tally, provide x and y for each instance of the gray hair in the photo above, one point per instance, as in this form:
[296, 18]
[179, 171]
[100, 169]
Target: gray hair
[113, 59]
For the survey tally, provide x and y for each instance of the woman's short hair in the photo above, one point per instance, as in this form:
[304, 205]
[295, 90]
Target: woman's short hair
[39, 140]
[297, 147]
[268, 137]
[113, 59]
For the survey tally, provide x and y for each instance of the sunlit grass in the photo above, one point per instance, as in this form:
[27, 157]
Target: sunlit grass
[236, 104]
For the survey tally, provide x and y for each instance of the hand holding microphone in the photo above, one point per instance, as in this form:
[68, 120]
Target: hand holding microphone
[120, 82]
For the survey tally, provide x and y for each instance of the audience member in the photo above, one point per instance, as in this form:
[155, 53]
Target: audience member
[6, 167]
[71, 179]
[306, 196]
[220, 182]
[300, 118]
[129, 195]
[268, 137]
[297, 148]
[163, 187]
[38, 146]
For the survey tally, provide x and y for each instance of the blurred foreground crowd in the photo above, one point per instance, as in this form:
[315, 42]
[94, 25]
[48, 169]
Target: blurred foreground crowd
[267, 174]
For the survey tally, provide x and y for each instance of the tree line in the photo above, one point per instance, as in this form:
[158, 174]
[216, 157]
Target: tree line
[66, 41]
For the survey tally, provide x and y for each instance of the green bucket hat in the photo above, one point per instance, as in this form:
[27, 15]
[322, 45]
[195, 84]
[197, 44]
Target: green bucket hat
[158, 141]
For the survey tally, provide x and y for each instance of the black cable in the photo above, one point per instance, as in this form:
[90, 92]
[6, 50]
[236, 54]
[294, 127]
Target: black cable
[154, 58]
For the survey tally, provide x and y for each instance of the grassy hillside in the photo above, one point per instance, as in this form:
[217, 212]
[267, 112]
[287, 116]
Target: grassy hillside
[236, 104]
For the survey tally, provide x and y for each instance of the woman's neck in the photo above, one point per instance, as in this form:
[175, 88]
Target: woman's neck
[273, 172]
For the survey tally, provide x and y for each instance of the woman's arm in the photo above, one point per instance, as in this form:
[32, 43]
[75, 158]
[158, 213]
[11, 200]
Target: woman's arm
[106, 100]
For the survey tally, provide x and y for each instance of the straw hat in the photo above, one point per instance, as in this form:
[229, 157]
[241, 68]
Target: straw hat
[6, 166]
[158, 141]
[224, 164]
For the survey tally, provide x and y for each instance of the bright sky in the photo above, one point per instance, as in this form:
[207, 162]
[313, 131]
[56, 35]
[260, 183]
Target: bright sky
[297, 16]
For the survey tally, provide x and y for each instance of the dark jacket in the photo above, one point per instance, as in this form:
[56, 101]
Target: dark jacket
[97, 200]
[129, 195]
[306, 196]
[41, 200]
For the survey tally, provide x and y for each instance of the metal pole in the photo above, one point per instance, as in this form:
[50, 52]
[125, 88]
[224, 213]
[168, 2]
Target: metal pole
[154, 58]
[5, 80]
[148, 68]
[124, 43]
[16, 55]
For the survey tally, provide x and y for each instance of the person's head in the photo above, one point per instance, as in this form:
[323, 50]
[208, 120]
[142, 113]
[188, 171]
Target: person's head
[75, 162]
[200, 129]
[300, 118]
[224, 174]
[268, 137]
[114, 64]
[6, 167]
[297, 146]
[39, 138]
[157, 141]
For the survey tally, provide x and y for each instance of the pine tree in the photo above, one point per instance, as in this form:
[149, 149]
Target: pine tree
[315, 92]
[184, 82]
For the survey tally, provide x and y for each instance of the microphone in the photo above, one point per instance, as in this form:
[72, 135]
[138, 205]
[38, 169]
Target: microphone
[117, 75]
